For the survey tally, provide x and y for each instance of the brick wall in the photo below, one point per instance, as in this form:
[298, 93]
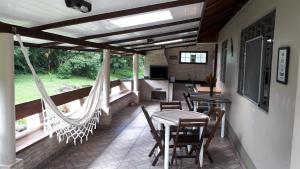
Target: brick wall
[40, 152]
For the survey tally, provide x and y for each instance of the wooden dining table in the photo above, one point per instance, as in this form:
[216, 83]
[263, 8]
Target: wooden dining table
[171, 118]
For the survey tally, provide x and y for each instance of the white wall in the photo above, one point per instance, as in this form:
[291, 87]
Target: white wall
[295, 161]
[267, 137]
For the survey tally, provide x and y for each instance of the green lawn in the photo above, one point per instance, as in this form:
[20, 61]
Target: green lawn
[25, 89]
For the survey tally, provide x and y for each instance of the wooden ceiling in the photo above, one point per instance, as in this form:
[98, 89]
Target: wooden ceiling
[215, 15]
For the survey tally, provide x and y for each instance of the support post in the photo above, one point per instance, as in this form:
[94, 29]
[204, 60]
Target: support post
[7, 104]
[106, 77]
[105, 119]
[136, 76]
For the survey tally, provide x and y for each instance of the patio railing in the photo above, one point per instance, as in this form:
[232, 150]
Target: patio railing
[27, 109]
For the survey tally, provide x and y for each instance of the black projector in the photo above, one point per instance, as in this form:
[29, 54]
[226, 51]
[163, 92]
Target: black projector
[81, 5]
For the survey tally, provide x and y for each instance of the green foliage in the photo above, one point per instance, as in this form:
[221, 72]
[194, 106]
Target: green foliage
[64, 71]
[80, 65]
[66, 64]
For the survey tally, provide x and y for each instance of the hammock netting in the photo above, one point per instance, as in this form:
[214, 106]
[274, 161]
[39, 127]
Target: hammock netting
[72, 126]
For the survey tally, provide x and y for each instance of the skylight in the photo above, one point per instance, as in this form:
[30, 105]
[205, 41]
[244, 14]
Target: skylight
[167, 42]
[142, 19]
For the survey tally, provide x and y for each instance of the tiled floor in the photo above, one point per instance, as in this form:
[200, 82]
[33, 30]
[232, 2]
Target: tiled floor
[126, 146]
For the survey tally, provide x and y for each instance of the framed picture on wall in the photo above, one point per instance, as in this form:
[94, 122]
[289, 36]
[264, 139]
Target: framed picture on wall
[283, 65]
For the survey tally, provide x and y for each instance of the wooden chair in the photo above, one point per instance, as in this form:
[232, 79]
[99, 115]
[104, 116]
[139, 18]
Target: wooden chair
[157, 136]
[212, 128]
[190, 137]
[188, 100]
[170, 106]
[202, 107]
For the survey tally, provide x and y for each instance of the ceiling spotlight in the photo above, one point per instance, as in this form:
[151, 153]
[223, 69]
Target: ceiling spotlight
[81, 5]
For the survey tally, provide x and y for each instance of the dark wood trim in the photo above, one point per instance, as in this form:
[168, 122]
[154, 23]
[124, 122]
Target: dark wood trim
[139, 44]
[140, 29]
[171, 47]
[116, 14]
[216, 60]
[201, 20]
[51, 44]
[33, 107]
[33, 45]
[151, 36]
[53, 37]
[175, 43]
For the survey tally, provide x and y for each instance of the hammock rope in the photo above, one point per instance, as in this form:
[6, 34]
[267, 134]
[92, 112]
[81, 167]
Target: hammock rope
[73, 125]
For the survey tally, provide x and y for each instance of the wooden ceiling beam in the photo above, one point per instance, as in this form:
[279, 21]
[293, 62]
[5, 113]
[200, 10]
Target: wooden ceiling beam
[151, 36]
[117, 14]
[141, 29]
[170, 47]
[50, 44]
[175, 43]
[53, 37]
[200, 22]
[139, 44]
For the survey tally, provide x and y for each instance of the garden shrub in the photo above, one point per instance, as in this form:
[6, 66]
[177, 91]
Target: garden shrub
[64, 71]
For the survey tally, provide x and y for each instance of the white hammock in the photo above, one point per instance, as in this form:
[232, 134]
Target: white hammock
[73, 125]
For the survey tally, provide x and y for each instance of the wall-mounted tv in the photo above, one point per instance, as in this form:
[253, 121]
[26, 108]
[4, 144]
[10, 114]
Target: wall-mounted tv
[158, 72]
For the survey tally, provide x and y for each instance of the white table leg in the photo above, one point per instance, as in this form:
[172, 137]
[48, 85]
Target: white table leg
[195, 106]
[223, 122]
[159, 127]
[201, 151]
[223, 127]
[167, 144]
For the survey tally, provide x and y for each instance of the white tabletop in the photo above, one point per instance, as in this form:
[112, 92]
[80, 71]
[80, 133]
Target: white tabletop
[172, 117]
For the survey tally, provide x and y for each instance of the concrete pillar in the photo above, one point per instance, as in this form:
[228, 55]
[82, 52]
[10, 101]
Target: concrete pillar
[106, 77]
[7, 102]
[136, 76]
[105, 119]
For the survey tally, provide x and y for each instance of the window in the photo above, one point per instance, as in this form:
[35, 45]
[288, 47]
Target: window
[256, 61]
[223, 61]
[193, 57]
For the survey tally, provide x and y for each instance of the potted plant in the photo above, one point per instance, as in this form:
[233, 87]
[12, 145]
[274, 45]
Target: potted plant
[211, 81]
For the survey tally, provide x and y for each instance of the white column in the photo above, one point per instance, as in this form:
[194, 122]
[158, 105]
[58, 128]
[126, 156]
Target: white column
[7, 102]
[136, 77]
[136, 73]
[106, 77]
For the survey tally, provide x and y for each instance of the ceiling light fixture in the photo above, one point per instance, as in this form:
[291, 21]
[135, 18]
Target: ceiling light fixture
[168, 42]
[142, 18]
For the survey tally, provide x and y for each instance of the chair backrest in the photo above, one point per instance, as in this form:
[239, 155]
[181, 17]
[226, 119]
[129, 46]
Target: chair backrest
[188, 100]
[194, 124]
[149, 121]
[170, 105]
[218, 113]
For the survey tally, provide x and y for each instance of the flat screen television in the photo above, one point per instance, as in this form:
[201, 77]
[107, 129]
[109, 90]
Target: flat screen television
[159, 72]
